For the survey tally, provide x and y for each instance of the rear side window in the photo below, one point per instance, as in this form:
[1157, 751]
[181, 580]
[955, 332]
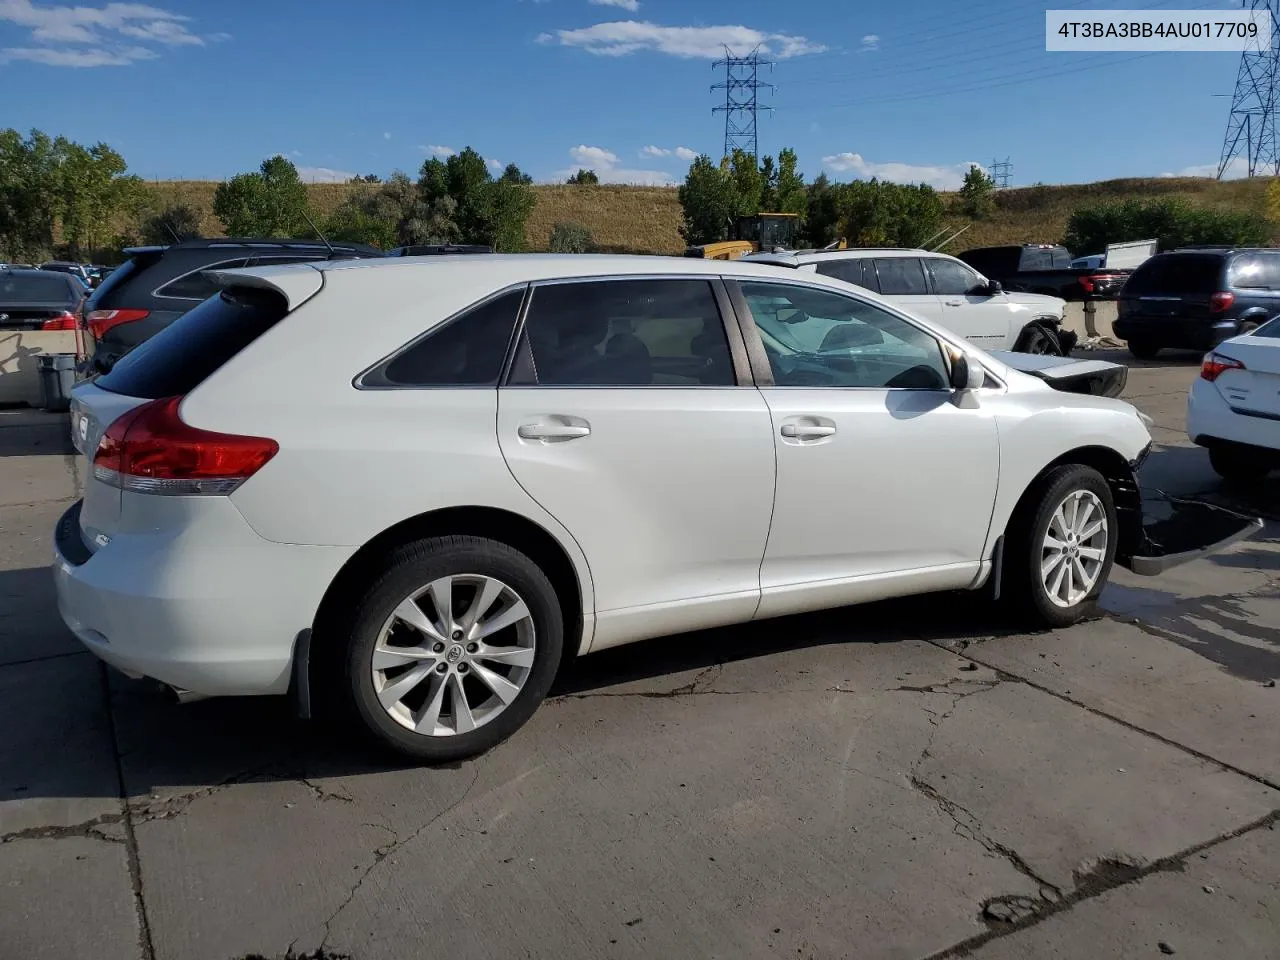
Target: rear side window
[1259, 271]
[198, 285]
[858, 272]
[1176, 274]
[466, 351]
[901, 276]
[188, 351]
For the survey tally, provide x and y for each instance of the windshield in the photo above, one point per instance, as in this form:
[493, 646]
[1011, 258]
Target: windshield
[35, 288]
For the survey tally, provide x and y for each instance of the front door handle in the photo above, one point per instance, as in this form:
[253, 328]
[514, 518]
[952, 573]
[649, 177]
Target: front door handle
[554, 431]
[808, 431]
[954, 303]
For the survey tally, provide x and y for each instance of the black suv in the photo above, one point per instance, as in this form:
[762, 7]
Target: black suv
[1193, 299]
[157, 285]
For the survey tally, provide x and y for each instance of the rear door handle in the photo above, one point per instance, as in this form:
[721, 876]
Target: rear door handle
[808, 431]
[554, 431]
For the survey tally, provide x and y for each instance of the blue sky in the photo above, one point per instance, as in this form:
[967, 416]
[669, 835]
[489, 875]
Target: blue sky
[904, 89]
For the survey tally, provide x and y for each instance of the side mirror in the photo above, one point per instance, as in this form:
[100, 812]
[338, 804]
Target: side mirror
[966, 375]
[994, 288]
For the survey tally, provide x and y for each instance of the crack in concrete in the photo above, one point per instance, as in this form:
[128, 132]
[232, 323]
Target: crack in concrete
[156, 808]
[321, 793]
[87, 828]
[382, 852]
[1093, 880]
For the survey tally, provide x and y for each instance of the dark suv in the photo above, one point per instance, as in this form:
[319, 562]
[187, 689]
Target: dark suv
[1194, 299]
[157, 285]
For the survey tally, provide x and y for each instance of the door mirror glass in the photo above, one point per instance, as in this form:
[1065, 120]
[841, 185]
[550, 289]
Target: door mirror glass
[965, 375]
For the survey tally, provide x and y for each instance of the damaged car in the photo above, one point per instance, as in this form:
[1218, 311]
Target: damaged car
[412, 524]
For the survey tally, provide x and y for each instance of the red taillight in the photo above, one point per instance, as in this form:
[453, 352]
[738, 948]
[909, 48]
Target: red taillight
[63, 321]
[1221, 301]
[1086, 284]
[100, 321]
[1215, 365]
[150, 450]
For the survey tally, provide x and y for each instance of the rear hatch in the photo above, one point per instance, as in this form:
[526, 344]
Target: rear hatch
[1252, 389]
[120, 300]
[1176, 285]
[170, 365]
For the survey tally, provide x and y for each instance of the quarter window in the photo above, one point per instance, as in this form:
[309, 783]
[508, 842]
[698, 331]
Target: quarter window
[624, 333]
[951, 278]
[466, 351]
[816, 338]
[858, 272]
[901, 276]
[198, 285]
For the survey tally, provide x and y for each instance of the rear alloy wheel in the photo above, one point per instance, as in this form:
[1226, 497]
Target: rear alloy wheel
[1238, 464]
[454, 647]
[1063, 545]
[1143, 349]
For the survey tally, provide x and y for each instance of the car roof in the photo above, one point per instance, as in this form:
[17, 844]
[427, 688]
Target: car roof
[253, 243]
[792, 257]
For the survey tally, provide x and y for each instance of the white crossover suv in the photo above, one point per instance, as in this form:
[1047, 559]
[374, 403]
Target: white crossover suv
[945, 290]
[413, 486]
[1234, 406]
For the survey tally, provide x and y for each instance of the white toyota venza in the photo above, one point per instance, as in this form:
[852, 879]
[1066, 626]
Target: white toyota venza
[412, 487]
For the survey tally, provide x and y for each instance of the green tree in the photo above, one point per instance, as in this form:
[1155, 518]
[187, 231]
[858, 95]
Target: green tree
[583, 178]
[271, 202]
[1273, 201]
[708, 200]
[748, 182]
[93, 188]
[789, 192]
[822, 207]
[173, 224]
[29, 194]
[570, 238]
[484, 210]
[977, 194]
[874, 213]
[769, 192]
[513, 174]
[1173, 222]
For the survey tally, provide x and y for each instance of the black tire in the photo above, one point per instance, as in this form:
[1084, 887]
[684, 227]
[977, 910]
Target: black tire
[1239, 464]
[1023, 586]
[1036, 339]
[1143, 349]
[411, 568]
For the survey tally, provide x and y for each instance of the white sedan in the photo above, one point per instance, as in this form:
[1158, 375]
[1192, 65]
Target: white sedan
[1234, 407]
[412, 487]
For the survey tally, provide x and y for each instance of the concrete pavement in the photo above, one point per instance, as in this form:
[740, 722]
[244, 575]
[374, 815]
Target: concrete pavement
[904, 780]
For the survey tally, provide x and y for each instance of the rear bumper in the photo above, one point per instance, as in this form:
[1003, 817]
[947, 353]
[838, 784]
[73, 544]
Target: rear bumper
[1211, 420]
[1180, 333]
[211, 608]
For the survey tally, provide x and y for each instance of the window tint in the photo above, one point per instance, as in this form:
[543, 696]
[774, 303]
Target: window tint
[901, 275]
[952, 278]
[197, 285]
[816, 338]
[858, 272]
[465, 351]
[188, 351]
[48, 287]
[1173, 274]
[1258, 271]
[1269, 329]
[624, 333]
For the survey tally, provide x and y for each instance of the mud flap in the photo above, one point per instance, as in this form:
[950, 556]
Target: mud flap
[1176, 531]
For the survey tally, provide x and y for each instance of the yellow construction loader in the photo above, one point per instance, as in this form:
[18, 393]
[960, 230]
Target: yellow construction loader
[764, 231]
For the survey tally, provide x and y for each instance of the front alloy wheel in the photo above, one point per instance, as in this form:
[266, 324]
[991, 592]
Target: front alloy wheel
[1074, 548]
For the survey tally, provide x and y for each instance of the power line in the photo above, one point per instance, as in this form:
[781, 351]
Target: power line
[1001, 171]
[1251, 125]
[741, 106]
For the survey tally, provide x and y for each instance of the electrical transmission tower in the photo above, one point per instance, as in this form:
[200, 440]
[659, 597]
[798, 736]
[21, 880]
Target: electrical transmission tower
[1251, 127]
[741, 87]
[1001, 171]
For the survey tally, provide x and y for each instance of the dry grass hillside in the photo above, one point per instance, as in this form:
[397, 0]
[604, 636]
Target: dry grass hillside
[646, 219]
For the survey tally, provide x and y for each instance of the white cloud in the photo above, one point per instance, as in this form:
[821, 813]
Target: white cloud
[386, 136]
[622, 37]
[593, 156]
[1237, 169]
[940, 177]
[631, 5]
[493, 164]
[324, 175]
[605, 164]
[684, 153]
[869, 43]
[103, 31]
[652, 151]
[436, 150]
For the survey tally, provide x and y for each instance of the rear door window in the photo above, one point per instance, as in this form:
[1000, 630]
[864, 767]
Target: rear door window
[188, 351]
[1176, 274]
[901, 276]
[1258, 271]
[850, 271]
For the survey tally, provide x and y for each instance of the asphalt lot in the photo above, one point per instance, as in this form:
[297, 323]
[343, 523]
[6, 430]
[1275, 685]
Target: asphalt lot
[905, 780]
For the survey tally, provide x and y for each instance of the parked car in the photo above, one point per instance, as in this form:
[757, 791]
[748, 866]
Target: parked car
[76, 270]
[156, 285]
[1044, 268]
[39, 300]
[1092, 262]
[945, 290]
[1234, 407]
[1194, 299]
[527, 458]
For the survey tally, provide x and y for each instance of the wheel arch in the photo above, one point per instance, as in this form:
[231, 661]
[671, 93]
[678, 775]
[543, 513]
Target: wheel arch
[1121, 477]
[1047, 324]
[493, 523]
